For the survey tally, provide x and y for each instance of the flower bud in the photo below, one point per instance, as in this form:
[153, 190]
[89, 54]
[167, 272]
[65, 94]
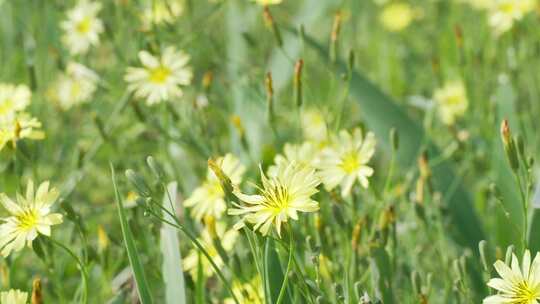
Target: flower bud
[269, 21]
[394, 139]
[483, 254]
[155, 167]
[37, 297]
[509, 145]
[224, 180]
[139, 183]
[298, 82]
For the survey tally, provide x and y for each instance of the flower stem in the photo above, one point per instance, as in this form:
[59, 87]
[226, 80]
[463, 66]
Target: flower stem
[289, 264]
[84, 274]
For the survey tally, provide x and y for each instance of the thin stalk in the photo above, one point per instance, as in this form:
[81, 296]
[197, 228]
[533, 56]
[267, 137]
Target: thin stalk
[84, 274]
[289, 264]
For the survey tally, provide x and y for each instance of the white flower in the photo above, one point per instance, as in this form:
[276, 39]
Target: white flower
[18, 126]
[516, 285]
[75, 86]
[452, 101]
[314, 126]
[30, 216]
[281, 197]
[13, 98]
[13, 296]
[209, 198]
[160, 78]
[82, 27]
[347, 161]
[161, 11]
[305, 154]
[504, 13]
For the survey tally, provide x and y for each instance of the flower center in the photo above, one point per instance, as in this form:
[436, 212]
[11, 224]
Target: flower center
[350, 162]
[6, 106]
[27, 220]
[524, 294]
[214, 189]
[159, 75]
[277, 198]
[84, 25]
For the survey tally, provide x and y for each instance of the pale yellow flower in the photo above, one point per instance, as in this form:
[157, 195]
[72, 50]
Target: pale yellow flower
[346, 161]
[247, 293]
[30, 216]
[75, 86]
[517, 284]
[451, 101]
[19, 126]
[209, 198]
[160, 78]
[314, 126]
[268, 2]
[13, 98]
[305, 154]
[503, 13]
[13, 296]
[281, 197]
[227, 238]
[397, 16]
[161, 11]
[82, 27]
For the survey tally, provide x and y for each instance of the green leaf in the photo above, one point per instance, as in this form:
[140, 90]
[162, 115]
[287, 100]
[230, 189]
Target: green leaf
[133, 256]
[381, 271]
[173, 275]
[381, 114]
[273, 272]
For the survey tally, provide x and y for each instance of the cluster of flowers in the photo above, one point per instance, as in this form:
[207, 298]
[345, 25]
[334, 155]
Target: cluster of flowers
[334, 160]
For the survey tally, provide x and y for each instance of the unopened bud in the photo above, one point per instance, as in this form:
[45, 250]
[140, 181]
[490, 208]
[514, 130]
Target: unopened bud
[103, 239]
[298, 82]
[394, 139]
[357, 231]
[423, 165]
[459, 36]
[37, 297]
[207, 79]
[269, 97]
[416, 281]
[155, 167]
[139, 183]
[336, 29]
[483, 254]
[224, 180]
[269, 21]
[508, 256]
[351, 60]
[509, 145]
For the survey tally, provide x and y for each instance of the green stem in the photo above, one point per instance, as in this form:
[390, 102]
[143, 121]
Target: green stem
[84, 274]
[289, 264]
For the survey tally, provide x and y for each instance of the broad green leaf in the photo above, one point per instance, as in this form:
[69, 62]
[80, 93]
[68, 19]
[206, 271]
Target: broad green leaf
[173, 274]
[381, 271]
[133, 256]
[273, 272]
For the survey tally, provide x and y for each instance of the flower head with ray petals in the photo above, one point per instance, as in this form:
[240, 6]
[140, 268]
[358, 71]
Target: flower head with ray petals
[517, 285]
[347, 161]
[30, 216]
[281, 197]
[160, 78]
